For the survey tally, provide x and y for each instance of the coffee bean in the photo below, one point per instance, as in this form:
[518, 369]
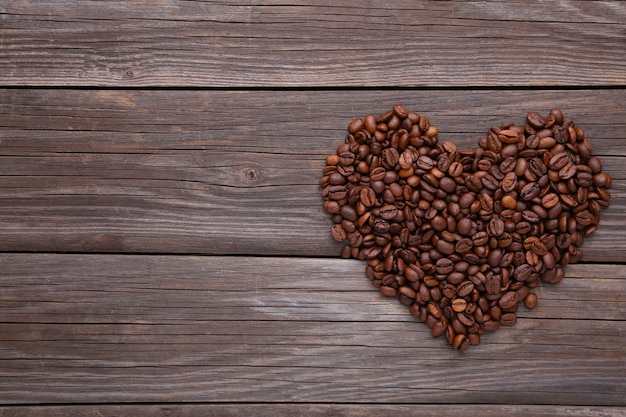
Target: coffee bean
[464, 245]
[495, 227]
[535, 120]
[367, 197]
[465, 288]
[444, 266]
[338, 233]
[390, 157]
[568, 171]
[595, 164]
[549, 200]
[508, 300]
[522, 272]
[530, 301]
[458, 305]
[355, 126]
[400, 111]
[508, 136]
[424, 162]
[445, 247]
[508, 319]
[388, 212]
[490, 182]
[530, 191]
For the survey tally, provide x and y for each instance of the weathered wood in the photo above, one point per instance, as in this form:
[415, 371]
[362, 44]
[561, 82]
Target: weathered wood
[232, 172]
[328, 43]
[336, 410]
[112, 328]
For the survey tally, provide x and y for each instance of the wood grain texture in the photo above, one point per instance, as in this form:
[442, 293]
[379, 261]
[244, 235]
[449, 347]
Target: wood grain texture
[324, 43]
[162, 243]
[233, 172]
[335, 410]
[111, 328]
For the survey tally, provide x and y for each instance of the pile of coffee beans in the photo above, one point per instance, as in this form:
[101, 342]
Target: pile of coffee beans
[462, 236]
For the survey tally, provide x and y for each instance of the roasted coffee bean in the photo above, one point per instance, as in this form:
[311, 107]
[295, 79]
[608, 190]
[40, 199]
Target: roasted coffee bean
[522, 272]
[530, 301]
[508, 300]
[465, 288]
[549, 200]
[390, 157]
[464, 245]
[338, 233]
[568, 171]
[508, 319]
[445, 266]
[367, 196]
[388, 212]
[424, 162]
[530, 191]
[495, 227]
[535, 120]
[490, 182]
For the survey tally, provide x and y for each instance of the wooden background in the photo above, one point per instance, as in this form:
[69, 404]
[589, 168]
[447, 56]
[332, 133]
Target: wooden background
[163, 250]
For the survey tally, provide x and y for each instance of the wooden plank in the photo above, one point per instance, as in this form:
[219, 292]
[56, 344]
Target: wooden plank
[338, 410]
[323, 43]
[232, 172]
[113, 328]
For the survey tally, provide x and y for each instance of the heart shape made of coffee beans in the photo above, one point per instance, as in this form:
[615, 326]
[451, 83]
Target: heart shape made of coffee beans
[462, 236]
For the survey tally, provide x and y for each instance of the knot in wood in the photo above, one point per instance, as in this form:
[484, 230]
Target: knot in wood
[251, 174]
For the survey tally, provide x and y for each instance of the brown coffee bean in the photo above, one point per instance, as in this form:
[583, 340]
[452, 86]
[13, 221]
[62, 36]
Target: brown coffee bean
[338, 233]
[388, 212]
[390, 156]
[439, 223]
[445, 247]
[531, 301]
[459, 341]
[355, 126]
[455, 170]
[530, 191]
[568, 171]
[465, 288]
[464, 245]
[509, 202]
[535, 120]
[522, 272]
[387, 291]
[594, 163]
[508, 136]
[508, 300]
[530, 216]
[550, 200]
[602, 180]
[458, 305]
[490, 182]
[490, 325]
[584, 218]
[495, 257]
[367, 196]
[424, 162]
[508, 319]
[493, 284]
[496, 226]
[400, 111]
[444, 266]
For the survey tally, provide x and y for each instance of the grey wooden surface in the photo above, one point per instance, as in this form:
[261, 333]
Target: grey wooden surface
[162, 243]
[285, 44]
